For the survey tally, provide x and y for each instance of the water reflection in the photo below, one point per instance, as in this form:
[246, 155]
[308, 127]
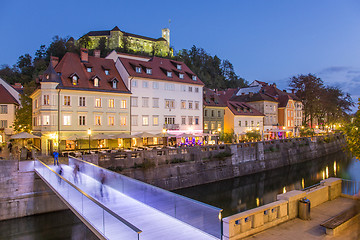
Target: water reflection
[243, 193]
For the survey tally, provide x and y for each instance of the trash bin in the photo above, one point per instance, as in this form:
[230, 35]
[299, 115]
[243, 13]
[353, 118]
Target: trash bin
[304, 209]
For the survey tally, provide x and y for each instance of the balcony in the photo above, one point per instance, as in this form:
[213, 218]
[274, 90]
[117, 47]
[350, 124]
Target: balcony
[171, 126]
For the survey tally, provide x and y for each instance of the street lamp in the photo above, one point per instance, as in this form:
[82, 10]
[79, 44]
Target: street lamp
[89, 133]
[164, 132]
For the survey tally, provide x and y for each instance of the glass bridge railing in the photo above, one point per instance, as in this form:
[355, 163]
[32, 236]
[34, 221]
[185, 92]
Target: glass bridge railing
[101, 219]
[199, 215]
[350, 187]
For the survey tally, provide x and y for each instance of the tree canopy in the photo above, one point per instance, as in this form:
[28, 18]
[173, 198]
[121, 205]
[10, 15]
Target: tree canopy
[352, 131]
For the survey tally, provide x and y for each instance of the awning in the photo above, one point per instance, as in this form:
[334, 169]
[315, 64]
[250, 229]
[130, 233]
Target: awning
[103, 136]
[23, 135]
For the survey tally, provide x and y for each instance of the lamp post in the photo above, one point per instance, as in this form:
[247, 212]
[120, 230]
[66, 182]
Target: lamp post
[164, 132]
[89, 133]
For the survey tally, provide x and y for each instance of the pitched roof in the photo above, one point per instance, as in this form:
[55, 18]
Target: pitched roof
[160, 67]
[50, 75]
[242, 109]
[211, 99]
[71, 65]
[6, 97]
[253, 98]
[227, 94]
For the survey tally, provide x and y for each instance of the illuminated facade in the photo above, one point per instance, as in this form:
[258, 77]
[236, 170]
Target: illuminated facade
[214, 110]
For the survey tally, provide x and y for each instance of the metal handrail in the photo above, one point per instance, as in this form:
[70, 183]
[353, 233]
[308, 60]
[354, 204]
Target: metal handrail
[137, 230]
[160, 189]
[310, 187]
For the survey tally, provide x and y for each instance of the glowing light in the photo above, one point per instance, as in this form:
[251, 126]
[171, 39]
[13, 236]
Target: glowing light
[302, 127]
[316, 126]
[335, 168]
[284, 189]
[327, 172]
[323, 175]
[89, 131]
[164, 130]
[219, 216]
[219, 129]
[257, 202]
[302, 183]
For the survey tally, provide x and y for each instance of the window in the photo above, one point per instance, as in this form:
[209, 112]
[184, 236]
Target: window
[122, 120]
[34, 121]
[169, 103]
[257, 124]
[82, 101]
[190, 120]
[98, 120]
[96, 82]
[169, 120]
[74, 80]
[138, 69]
[212, 125]
[197, 105]
[98, 102]
[134, 120]
[183, 120]
[169, 86]
[46, 120]
[111, 103]
[145, 84]
[219, 113]
[190, 105]
[239, 123]
[252, 123]
[46, 99]
[67, 120]
[219, 127]
[155, 85]
[196, 120]
[183, 104]
[169, 74]
[212, 113]
[155, 102]
[246, 123]
[89, 69]
[3, 123]
[183, 88]
[149, 71]
[107, 72]
[134, 101]
[36, 103]
[196, 89]
[178, 66]
[145, 120]
[3, 109]
[134, 83]
[123, 104]
[82, 120]
[205, 113]
[194, 78]
[206, 125]
[111, 120]
[190, 89]
[181, 75]
[145, 102]
[155, 120]
[114, 84]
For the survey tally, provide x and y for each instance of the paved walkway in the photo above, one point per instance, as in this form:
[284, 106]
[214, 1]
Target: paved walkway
[300, 229]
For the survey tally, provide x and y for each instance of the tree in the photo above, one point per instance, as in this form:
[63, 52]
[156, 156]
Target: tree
[23, 117]
[85, 41]
[352, 132]
[253, 135]
[56, 48]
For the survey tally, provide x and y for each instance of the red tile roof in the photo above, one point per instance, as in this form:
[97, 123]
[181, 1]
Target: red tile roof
[6, 97]
[243, 109]
[227, 94]
[71, 65]
[159, 67]
[211, 99]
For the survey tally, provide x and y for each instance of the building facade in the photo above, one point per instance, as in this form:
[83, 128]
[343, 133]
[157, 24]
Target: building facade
[166, 94]
[81, 93]
[214, 110]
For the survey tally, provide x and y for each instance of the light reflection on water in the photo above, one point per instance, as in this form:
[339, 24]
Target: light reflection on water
[243, 193]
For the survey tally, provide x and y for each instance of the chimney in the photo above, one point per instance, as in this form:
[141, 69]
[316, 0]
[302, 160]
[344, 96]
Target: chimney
[274, 85]
[84, 55]
[54, 61]
[284, 90]
[97, 53]
[292, 91]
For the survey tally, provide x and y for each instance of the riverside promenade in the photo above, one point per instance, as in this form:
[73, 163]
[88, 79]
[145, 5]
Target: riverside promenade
[302, 229]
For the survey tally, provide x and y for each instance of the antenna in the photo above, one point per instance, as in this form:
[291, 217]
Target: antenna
[169, 23]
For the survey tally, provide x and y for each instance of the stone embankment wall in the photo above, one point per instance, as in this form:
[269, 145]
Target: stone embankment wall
[184, 167]
[23, 193]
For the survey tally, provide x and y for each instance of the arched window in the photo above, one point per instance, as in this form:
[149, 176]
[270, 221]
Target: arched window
[114, 84]
[75, 80]
[96, 82]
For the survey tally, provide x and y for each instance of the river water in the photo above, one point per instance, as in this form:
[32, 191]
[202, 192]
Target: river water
[232, 195]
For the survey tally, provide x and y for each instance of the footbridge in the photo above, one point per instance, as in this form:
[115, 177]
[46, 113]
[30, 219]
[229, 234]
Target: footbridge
[124, 208]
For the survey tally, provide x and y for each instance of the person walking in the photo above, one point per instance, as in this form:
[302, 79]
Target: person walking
[102, 181]
[10, 146]
[56, 158]
[75, 173]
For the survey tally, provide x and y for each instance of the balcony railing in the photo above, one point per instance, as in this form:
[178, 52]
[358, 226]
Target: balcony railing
[172, 126]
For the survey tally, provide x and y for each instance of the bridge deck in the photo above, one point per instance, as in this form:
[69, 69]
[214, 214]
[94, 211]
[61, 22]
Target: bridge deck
[154, 224]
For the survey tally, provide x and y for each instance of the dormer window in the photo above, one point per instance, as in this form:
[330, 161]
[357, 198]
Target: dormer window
[89, 69]
[178, 67]
[96, 82]
[138, 69]
[181, 75]
[74, 80]
[169, 74]
[194, 78]
[47, 76]
[107, 72]
[114, 84]
[149, 71]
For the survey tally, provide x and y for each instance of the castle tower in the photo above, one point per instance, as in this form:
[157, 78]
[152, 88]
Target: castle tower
[166, 34]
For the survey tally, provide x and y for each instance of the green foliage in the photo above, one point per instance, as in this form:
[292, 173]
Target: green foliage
[306, 132]
[85, 42]
[253, 135]
[177, 160]
[352, 131]
[23, 117]
[227, 137]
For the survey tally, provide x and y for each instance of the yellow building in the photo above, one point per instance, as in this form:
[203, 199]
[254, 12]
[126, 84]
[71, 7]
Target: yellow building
[116, 38]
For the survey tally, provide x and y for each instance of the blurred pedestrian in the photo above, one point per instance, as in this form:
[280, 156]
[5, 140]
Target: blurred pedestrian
[56, 158]
[10, 146]
[60, 171]
[102, 182]
[75, 173]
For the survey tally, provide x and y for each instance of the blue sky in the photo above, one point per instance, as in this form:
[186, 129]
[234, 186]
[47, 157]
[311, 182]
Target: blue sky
[265, 40]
